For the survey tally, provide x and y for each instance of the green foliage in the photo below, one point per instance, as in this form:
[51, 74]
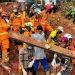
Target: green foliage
[68, 8]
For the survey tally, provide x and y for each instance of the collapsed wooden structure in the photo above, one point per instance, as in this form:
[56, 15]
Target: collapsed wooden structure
[41, 44]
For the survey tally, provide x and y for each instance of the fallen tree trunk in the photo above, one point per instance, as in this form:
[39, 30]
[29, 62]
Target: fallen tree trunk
[41, 44]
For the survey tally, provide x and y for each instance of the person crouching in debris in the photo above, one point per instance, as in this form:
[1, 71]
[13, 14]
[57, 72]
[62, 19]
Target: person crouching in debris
[26, 60]
[55, 35]
[55, 65]
[65, 61]
[39, 52]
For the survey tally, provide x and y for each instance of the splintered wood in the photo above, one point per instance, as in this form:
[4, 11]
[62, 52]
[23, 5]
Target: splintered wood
[41, 44]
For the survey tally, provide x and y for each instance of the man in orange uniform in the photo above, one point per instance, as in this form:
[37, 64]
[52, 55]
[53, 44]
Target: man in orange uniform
[16, 20]
[39, 20]
[4, 42]
[45, 25]
[72, 47]
[45, 14]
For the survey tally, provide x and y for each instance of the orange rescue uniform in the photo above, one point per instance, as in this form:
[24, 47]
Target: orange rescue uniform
[45, 14]
[73, 49]
[44, 23]
[4, 42]
[17, 22]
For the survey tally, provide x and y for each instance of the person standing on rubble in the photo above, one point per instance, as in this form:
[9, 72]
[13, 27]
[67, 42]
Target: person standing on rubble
[4, 42]
[38, 52]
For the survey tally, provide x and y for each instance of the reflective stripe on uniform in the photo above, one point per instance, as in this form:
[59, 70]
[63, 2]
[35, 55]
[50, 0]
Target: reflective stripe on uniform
[3, 33]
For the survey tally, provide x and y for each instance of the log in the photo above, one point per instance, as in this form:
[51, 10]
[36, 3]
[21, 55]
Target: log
[41, 44]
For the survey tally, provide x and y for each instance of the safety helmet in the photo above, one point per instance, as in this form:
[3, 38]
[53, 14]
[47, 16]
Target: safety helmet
[29, 24]
[4, 14]
[29, 48]
[15, 10]
[38, 11]
[60, 28]
[69, 36]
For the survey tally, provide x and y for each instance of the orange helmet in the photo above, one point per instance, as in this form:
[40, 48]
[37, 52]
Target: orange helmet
[4, 13]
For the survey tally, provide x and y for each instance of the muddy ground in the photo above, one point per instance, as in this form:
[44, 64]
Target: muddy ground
[56, 20]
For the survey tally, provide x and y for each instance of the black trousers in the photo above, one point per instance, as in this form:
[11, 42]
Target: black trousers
[54, 9]
[32, 70]
[74, 21]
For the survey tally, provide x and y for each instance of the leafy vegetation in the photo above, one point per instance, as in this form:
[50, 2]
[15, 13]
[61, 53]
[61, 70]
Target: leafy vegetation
[68, 8]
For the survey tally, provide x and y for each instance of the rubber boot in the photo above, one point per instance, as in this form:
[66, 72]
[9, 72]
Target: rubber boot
[4, 56]
[47, 73]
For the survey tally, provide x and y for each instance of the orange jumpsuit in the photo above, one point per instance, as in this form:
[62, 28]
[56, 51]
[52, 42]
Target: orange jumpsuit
[44, 23]
[4, 42]
[44, 14]
[17, 22]
[72, 47]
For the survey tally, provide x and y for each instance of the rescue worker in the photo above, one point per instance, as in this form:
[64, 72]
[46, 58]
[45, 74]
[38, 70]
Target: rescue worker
[55, 35]
[4, 42]
[16, 20]
[43, 22]
[29, 29]
[45, 14]
[72, 47]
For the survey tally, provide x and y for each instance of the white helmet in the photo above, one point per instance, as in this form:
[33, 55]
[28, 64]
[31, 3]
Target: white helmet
[69, 36]
[38, 11]
[29, 24]
[60, 28]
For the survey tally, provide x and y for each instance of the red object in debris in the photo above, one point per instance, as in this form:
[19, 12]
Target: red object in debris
[48, 6]
[4, 13]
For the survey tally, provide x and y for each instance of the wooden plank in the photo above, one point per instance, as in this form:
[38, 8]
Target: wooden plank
[41, 44]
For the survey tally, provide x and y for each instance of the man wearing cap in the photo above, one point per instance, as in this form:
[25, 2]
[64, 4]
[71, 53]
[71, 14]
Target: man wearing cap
[39, 52]
[54, 35]
[4, 42]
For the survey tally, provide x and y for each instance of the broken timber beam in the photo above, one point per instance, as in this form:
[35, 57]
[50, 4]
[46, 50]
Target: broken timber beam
[41, 44]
